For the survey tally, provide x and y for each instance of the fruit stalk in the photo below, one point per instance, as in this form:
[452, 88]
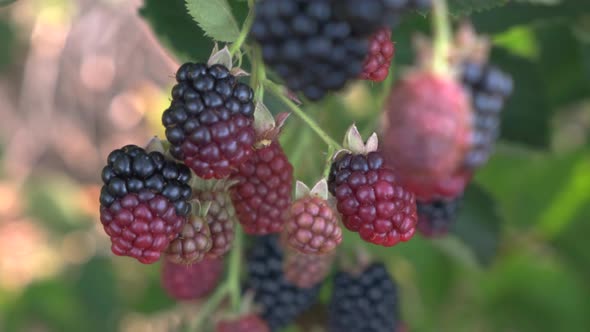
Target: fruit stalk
[233, 278]
[442, 36]
[209, 307]
[235, 47]
[278, 91]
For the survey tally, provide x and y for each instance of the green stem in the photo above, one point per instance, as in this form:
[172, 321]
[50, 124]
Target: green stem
[442, 36]
[328, 161]
[209, 307]
[233, 277]
[235, 47]
[278, 91]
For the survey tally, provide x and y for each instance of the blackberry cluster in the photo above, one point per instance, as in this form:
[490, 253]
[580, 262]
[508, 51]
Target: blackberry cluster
[436, 218]
[308, 45]
[281, 301]
[369, 15]
[364, 303]
[209, 122]
[489, 88]
[143, 202]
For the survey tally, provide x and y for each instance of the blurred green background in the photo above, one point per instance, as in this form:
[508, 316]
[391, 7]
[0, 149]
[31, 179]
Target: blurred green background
[78, 78]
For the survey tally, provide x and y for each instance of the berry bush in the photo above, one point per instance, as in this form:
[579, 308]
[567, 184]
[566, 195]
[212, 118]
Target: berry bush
[347, 165]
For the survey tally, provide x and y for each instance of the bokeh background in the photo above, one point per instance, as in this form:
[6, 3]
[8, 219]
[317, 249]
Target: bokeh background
[81, 77]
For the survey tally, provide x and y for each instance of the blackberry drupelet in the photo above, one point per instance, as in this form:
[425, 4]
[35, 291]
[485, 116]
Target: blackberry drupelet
[209, 122]
[281, 302]
[364, 303]
[143, 202]
[308, 46]
[489, 88]
[378, 60]
[437, 217]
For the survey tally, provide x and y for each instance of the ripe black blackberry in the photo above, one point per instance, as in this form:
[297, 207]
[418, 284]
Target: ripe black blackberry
[143, 202]
[209, 122]
[489, 88]
[364, 303]
[367, 16]
[280, 301]
[308, 45]
[437, 217]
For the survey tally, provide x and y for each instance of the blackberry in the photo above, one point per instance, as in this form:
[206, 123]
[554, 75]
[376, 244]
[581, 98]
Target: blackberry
[436, 218]
[281, 301]
[308, 45]
[306, 271]
[364, 303]
[263, 192]
[378, 60]
[144, 202]
[192, 243]
[371, 200]
[489, 88]
[209, 122]
[189, 282]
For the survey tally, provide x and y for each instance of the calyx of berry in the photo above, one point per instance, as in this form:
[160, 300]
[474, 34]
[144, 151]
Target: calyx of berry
[225, 58]
[320, 189]
[354, 143]
[200, 208]
[267, 126]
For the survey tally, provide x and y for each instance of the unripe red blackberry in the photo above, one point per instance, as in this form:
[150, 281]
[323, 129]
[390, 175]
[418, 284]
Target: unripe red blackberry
[426, 132]
[308, 45]
[280, 301]
[221, 216]
[312, 225]
[378, 60]
[192, 243]
[367, 302]
[190, 282]
[143, 202]
[209, 122]
[247, 323]
[370, 198]
[306, 271]
[435, 218]
[262, 192]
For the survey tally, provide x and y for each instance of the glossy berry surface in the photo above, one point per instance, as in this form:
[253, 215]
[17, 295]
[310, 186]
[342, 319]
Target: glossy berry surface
[378, 60]
[192, 242]
[280, 301]
[426, 130]
[249, 323]
[190, 282]
[143, 202]
[313, 226]
[306, 271]
[263, 192]
[437, 217]
[308, 45]
[488, 87]
[371, 200]
[363, 303]
[209, 122]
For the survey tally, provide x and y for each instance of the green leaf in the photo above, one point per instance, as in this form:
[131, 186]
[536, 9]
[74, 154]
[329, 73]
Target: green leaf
[463, 7]
[215, 18]
[479, 224]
